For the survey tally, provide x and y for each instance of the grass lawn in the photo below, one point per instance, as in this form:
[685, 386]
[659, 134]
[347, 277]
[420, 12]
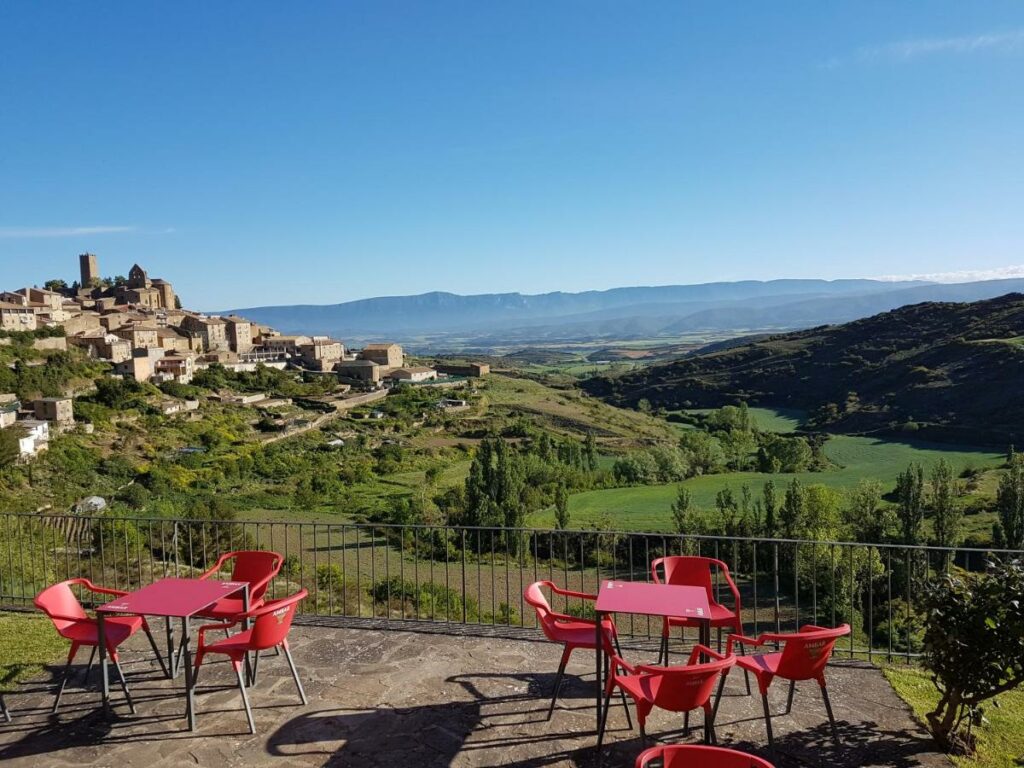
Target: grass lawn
[28, 642]
[1000, 741]
[648, 508]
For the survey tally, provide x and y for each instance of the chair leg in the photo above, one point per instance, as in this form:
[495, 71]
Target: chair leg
[686, 724]
[789, 699]
[767, 719]
[124, 686]
[831, 717]
[718, 700]
[245, 696]
[156, 651]
[88, 667]
[625, 708]
[719, 639]
[746, 674]
[64, 678]
[5, 713]
[295, 672]
[558, 682]
[709, 726]
[255, 666]
[604, 719]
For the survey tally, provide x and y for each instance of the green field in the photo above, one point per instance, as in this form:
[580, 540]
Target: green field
[648, 508]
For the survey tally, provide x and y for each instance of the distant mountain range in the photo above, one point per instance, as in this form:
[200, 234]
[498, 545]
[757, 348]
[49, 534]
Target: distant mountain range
[620, 313]
[942, 370]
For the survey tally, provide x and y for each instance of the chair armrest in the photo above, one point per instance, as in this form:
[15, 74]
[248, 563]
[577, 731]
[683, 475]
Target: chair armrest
[812, 628]
[214, 568]
[742, 639]
[618, 661]
[103, 590]
[695, 654]
[570, 593]
[203, 629]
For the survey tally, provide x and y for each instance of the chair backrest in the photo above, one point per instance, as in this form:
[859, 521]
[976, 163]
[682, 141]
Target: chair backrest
[535, 597]
[61, 604]
[805, 653]
[691, 571]
[255, 566]
[680, 689]
[692, 755]
[273, 621]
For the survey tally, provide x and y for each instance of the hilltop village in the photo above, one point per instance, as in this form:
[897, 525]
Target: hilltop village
[139, 328]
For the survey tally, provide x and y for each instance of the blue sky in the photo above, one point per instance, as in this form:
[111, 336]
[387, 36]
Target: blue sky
[266, 153]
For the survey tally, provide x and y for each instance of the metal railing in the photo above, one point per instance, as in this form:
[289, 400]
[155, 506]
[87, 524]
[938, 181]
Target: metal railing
[476, 576]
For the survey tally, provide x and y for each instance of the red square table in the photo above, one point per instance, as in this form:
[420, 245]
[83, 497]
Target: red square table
[648, 599]
[170, 598]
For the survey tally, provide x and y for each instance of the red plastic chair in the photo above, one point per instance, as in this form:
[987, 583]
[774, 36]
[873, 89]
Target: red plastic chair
[571, 631]
[697, 572]
[271, 623]
[803, 656]
[257, 567]
[698, 756]
[71, 621]
[675, 689]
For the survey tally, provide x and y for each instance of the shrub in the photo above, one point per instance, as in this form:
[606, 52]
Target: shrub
[973, 646]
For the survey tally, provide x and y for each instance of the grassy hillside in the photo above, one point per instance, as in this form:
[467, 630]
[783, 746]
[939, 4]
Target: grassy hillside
[648, 508]
[949, 371]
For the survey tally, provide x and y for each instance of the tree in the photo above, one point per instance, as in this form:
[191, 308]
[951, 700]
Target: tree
[10, 450]
[945, 510]
[725, 501]
[770, 503]
[703, 452]
[682, 511]
[972, 646]
[792, 512]
[55, 285]
[910, 503]
[561, 507]
[590, 452]
[1009, 531]
[868, 521]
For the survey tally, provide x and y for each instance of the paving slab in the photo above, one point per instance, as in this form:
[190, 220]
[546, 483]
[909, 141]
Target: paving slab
[420, 696]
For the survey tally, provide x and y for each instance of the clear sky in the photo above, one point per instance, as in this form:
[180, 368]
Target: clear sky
[266, 153]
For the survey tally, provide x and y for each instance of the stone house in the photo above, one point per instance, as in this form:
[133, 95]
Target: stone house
[15, 317]
[321, 354]
[176, 366]
[362, 371]
[286, 345]
[59, 410]
[413, 375]
[240, 333]
[141, 336]
[211, 331]
[386, 354]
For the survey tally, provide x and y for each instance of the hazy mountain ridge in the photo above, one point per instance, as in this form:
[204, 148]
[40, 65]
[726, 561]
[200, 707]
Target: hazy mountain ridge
[949, 370]
[488, 320]
[440, 312]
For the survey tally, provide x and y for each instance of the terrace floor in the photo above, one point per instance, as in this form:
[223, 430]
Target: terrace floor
[423, 697]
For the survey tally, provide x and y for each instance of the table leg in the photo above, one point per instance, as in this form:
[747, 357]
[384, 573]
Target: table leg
[245, 625]
[599, 666]
[101, 630]
[172, 668]
[190, 704]
[705, 635]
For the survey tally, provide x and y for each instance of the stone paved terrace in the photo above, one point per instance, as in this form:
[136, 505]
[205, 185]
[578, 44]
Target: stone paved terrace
[422, 697]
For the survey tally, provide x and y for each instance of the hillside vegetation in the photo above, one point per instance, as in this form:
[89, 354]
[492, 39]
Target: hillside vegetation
[941, 370]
